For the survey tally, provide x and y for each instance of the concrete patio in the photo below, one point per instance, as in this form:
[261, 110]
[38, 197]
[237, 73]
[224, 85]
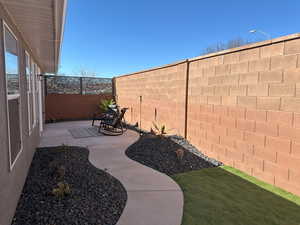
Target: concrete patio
[153, 198]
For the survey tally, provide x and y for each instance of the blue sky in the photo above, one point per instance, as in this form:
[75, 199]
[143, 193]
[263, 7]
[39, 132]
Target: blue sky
[111, 38]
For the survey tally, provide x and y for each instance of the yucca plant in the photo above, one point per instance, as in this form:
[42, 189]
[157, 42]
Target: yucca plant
[159, 130]
[104, 104]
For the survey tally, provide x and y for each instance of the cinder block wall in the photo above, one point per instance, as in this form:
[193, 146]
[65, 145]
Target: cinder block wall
[243, 106]
[163, 97]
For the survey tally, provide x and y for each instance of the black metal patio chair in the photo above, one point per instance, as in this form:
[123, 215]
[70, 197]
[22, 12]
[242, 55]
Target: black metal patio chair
[109, 115]
[115, 126]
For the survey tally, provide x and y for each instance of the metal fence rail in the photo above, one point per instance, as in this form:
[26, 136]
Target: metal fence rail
[77, 85]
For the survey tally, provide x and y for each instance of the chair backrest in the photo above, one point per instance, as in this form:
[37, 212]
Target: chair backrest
[117, 120]
[113, 110]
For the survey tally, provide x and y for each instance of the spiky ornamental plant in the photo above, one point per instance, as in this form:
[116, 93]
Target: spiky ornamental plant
[104, 104]
[159, 130]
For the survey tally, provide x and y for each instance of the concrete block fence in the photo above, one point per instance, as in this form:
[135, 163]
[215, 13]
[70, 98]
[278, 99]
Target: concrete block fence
[240, 106]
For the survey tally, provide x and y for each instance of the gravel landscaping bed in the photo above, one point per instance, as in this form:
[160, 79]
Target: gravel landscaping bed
[188, 146]
[94, 197]
[163, 154]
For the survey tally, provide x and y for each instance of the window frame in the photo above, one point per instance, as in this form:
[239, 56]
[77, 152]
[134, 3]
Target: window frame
[39, 99]
[28, 91]
[33, 88]
[5, 27]
[37, 92]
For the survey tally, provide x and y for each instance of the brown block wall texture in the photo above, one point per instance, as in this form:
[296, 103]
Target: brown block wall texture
[163, 97]
[243, 106]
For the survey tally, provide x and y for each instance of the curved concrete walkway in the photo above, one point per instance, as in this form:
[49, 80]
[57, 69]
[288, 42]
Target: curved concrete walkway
[153, 197]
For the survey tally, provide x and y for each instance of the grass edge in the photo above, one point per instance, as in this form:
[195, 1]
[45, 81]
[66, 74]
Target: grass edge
[269, 187]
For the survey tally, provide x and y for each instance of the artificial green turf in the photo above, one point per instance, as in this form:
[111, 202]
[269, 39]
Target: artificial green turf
[284, 194]
[226, 196]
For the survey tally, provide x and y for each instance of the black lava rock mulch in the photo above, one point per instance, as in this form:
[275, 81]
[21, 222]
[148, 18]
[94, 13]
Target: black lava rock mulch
[95, 198]
[159, 153]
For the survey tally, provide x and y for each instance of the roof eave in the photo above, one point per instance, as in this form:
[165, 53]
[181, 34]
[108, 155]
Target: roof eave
[59, 20]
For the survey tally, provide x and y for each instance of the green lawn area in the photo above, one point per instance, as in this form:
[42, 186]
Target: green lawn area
[226, 196]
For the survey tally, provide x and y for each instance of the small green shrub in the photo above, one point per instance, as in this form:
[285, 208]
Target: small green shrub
[62, 190]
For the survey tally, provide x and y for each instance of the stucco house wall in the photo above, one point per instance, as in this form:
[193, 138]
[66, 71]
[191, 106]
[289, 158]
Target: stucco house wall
[13, 176]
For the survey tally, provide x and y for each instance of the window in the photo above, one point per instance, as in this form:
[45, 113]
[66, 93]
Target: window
[13, 95]
[32, 71]
[33, 89]
[36, 79]
[29, 93]
[28, 75]
[40, 100]
[11, 63]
